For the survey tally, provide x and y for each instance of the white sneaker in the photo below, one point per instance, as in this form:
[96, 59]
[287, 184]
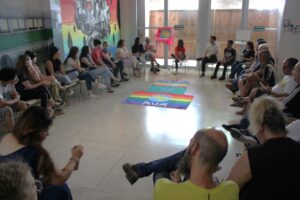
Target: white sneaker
[100, 86]
[92, 96]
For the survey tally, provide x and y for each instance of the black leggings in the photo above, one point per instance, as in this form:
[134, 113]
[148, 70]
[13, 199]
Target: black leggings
[41, 93]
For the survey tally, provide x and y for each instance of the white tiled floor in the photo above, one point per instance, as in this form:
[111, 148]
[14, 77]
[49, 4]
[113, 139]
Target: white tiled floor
[114, 133]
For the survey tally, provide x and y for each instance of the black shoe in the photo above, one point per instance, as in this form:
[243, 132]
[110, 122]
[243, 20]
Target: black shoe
[213, 77]
[243, 135]
[222, 78]
[125, 79]
[228, 127]
[198, 59]
[202, 75]
[131, 174]
[151, 69]
[115, 84]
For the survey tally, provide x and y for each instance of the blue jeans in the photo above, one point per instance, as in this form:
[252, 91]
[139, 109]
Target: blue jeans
[104, 72]
[89, 79]
[236, 69]
[166, 165]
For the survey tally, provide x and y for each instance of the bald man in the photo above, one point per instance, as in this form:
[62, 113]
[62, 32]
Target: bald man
[202, 157]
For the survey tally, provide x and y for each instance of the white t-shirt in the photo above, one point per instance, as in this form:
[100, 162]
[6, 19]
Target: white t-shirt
[69, 64]
[285, 86]
[294, 130]
[212, 49]
[121, 53]
[5, 91]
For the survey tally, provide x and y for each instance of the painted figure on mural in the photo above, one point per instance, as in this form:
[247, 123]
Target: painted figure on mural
[92, 17]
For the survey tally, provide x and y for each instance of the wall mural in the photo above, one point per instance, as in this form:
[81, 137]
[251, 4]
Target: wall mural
[85, 20]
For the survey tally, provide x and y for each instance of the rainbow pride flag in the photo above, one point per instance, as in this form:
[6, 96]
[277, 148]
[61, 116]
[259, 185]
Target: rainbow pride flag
[172, 83]
[163, 100]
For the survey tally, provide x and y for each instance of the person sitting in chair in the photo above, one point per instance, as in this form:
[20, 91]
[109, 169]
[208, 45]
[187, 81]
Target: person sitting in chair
[229, 58]
[179, 54]
[210, 55]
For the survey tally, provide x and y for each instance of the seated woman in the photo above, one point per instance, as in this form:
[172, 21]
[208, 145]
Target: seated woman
[28, 90]
[149, 55]
[55, 68]
[25, 144]
[265, 76]
[179, 54]
[87, 63]
[247, 56]
[109, 60]
[72, 68]
[276, 160]
[35, 75]
[128, 60]
[137, 50]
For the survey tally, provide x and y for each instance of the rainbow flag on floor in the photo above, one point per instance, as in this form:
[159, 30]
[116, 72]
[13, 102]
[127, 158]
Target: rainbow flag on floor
[167, 89]
[159, 100]
[172, 83]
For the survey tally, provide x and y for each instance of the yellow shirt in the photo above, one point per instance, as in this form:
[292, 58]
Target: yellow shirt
[168, 190]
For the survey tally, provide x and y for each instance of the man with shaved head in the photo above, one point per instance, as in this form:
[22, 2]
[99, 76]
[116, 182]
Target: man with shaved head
[202, 157]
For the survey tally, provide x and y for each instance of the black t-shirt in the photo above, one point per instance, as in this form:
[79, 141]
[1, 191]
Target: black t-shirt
[56, 66]
[292, 103]
[137, 48]
[275, 169]
[229, 53]
[247, 53]
[22, 76]
[268, 76]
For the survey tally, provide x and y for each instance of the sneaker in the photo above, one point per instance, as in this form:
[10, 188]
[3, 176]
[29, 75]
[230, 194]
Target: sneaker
[229, 127]
[131, 174]
[92, 96]
[59, 112]
[213, 77]
[70, 92]
[58, 106]
[109, 90]
[100, 86]
[125, 79]
[115, 84]
[241, 136]
[202, 75]
[222, 78]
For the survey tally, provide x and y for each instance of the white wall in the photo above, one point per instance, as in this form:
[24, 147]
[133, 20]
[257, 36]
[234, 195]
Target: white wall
[289, 43]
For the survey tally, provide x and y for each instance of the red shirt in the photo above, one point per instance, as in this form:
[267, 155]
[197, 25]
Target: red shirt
[179, 50]
[97, 55]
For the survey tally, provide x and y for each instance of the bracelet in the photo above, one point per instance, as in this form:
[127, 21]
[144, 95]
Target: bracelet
[76, 160]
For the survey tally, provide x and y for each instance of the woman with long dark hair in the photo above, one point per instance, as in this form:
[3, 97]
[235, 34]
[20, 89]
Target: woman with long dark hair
[72, 65]
[25, 144]
[179, 53]
[128, 60]
[87, 63]
[29, 91]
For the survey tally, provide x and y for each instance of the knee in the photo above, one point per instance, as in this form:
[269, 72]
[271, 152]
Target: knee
[8, 112]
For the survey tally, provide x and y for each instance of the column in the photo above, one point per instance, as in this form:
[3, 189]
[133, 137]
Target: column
[203, 26]
[128, 16]
[166, 22]
[244, 19]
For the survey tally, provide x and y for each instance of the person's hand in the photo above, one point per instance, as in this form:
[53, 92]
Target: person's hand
[46, 83]
[17, 97]
[267, 88]
[81, 69]
[77, 151]
[52, 78]
[175, 177]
